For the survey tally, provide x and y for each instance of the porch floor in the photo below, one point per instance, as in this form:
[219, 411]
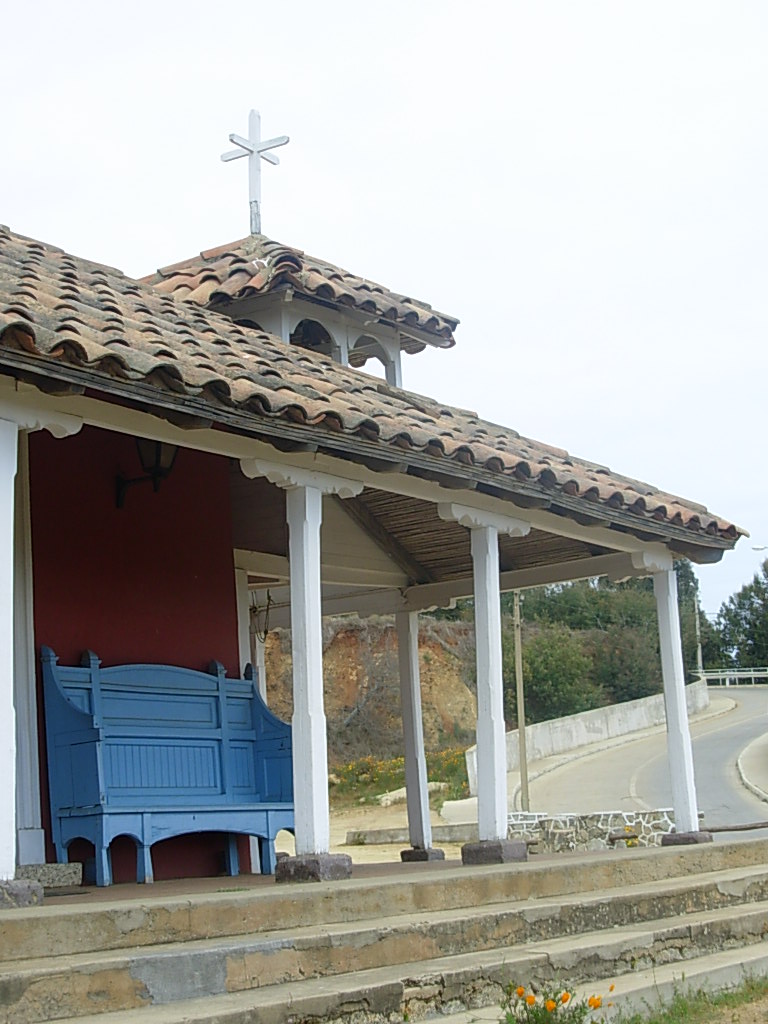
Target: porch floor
[171, 888]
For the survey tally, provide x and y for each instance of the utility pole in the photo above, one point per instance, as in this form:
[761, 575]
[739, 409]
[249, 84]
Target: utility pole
[525, 802]
[699, 658]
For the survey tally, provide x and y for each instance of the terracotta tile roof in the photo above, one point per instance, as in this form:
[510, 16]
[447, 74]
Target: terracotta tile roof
[66, 321]
[257, 265]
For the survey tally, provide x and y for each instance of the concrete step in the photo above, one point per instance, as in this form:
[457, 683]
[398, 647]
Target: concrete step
[440, 988]
[647, 990]
[288, 954]
[70, 989]
[150, 920]
[310, 951]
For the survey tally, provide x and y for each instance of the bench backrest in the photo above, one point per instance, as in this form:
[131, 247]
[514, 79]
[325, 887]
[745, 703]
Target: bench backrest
[158, 735]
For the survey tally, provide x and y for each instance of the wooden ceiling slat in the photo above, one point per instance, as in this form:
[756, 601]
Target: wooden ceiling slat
[444, 547]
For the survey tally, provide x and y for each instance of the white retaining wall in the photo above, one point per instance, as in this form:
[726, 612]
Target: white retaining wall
[545, 739]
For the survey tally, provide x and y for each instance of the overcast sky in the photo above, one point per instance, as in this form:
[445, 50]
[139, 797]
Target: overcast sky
[582, 183]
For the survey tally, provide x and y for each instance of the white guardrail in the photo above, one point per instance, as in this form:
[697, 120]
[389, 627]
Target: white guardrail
[735, 677]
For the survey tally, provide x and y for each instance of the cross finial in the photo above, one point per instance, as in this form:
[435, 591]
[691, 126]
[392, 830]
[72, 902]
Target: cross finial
[256, 151]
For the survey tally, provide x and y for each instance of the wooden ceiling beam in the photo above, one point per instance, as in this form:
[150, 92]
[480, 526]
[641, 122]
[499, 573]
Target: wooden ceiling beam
[616, 566]
[359, 513]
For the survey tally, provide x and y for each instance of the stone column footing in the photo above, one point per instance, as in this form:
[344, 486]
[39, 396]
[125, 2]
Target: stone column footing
[20, 894]
[685, 838]
[413, 854]
[51, 876]
[314, 867]
[494, 851]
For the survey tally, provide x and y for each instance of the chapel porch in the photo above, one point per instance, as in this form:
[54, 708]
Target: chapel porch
[440, 503]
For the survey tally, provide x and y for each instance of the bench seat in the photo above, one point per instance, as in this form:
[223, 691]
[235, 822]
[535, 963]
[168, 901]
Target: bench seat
[156, 751]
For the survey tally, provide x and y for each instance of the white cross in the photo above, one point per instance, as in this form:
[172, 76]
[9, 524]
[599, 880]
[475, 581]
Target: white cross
[256, 151]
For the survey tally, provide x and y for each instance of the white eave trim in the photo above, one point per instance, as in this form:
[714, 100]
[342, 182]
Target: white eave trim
[26, 400]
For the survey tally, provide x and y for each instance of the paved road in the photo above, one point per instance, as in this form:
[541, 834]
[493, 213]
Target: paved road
[717, 744]
[634, 776]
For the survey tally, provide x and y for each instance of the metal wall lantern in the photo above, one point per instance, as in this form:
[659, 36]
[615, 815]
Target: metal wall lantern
[156, 458]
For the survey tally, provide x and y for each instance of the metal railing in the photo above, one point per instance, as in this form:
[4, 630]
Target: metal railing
[735, 677]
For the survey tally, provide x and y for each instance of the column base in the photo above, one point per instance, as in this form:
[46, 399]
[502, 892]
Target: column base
[685, 838]
[494, 851]
[31, 846]
[314, 867]
[20, 894]
[414, 854]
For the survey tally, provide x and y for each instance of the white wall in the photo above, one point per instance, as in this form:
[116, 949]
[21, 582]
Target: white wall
[561, 734]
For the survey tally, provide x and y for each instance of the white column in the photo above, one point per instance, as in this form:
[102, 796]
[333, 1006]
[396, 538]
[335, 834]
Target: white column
[304, 511]
[417, 794]
[679, 749]
[310, 754]
[30, 835]
[9, 433]
[394, 371]
[484, 530]
[491, 736]
[20, 818]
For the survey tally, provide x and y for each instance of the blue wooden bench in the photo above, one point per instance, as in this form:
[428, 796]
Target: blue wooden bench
[154, 751]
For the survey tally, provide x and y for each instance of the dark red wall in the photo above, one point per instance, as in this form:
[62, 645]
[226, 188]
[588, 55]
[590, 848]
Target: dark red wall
[150, 582]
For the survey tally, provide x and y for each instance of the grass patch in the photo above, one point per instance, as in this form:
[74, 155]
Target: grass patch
[363, 780]
[699, 1006]
[550, 1003]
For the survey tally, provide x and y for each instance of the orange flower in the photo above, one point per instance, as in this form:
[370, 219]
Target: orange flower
[519, 991]
[530, 1000]
[611, 988]
[595, 1002]
[565, 997]
[550, 1005]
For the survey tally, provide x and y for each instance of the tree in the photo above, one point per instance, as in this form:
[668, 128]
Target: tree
[625, 662]
[557, 674]
[743, 623]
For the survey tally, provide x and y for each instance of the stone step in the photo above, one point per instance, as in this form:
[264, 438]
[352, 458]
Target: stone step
[648, 990]
[310, 951]
[68, 988]
[152, 919]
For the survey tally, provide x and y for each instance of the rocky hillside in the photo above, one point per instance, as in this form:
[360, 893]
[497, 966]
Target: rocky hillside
[362, 687]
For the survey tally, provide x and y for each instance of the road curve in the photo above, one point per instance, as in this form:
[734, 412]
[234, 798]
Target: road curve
[634, 775]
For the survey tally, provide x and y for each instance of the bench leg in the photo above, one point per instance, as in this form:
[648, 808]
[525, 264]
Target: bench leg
[103, 866]
[144, 872]
[233, 857]
[267, 855]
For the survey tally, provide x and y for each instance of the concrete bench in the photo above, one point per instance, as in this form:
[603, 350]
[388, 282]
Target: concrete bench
[155, 751]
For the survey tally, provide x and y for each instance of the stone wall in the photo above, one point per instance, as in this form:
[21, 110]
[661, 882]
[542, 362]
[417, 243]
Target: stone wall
[560, 833]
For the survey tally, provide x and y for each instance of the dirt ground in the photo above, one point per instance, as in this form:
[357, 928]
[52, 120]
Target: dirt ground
[751, 1013]
[370, 817]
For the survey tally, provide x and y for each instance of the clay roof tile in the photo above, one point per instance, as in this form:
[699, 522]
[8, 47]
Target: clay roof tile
[58, 311]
